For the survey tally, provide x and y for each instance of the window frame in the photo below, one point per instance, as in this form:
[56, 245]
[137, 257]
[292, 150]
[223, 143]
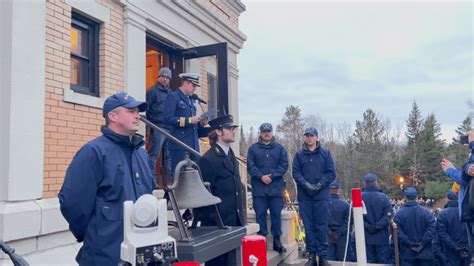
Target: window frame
[81, 22]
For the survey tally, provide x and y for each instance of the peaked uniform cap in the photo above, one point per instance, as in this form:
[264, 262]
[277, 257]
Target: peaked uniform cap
[222, 121]
[192, 77]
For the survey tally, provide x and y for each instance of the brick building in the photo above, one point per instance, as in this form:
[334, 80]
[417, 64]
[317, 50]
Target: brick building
[60, 60]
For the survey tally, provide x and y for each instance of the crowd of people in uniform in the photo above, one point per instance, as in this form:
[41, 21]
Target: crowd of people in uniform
[114, 168]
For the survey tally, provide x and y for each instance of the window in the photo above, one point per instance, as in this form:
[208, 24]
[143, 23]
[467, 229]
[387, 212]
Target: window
[84, 55]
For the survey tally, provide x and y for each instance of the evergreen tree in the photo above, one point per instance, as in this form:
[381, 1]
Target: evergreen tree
[431, 152]
[371, 147]
[252, 137]
[455, 152]
[411, 160]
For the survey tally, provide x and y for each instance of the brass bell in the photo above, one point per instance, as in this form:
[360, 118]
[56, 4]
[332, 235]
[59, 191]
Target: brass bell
[189, 188]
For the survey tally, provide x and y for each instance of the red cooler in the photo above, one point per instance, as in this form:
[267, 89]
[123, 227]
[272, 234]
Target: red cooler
[254, 251]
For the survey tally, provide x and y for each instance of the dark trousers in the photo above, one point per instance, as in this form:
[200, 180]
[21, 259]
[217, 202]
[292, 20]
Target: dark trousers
[263, 203]
[337, 247]
[158, 145]
[315, 215]
[376, 253]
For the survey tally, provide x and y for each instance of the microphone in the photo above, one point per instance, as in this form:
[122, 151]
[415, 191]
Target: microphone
[195, 97]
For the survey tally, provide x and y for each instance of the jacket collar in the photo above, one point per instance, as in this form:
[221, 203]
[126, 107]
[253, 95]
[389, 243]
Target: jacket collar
[161, 88]
[371, 189]
[227, 159]
[183, 97]
[411, 203]
[136, 141]
[306, 149]
[269, 145]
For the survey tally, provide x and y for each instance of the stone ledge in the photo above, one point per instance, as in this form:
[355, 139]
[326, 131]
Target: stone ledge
[73, 97]
[19, 220]
[51, 218]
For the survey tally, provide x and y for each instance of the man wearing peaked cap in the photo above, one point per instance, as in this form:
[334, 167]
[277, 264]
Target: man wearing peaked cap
[376, 220]
[416, 232]
[313, 171]
[267, 163]
[191, 77]
[103, 174]
[452, 233]
[220, 168]
[156, 97]
[180, 116]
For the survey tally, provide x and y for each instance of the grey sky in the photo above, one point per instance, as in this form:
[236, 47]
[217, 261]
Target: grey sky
[337, 59]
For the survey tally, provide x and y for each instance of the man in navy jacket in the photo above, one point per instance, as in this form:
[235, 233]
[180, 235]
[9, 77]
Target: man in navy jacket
[105, 173]
[416, 231]
[339, 211]
[156, 97]
[267, 163]
[314, 171]
[376, 228]
[452, 233]
[180, 115]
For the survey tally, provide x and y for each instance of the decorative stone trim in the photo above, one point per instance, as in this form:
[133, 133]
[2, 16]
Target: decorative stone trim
[91, 9]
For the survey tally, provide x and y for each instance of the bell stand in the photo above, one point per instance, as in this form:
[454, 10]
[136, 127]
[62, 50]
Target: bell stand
[169, 189]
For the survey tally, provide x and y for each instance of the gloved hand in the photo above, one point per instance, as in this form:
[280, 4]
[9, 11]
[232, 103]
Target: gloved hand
[417, 247]
[333, 236]
[371, 229]
[310, 188]
[463, 252]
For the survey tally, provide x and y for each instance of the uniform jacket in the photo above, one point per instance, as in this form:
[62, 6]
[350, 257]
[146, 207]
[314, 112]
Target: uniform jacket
[415, 224]
[338, 215]
[222, 172]
[156, 98]
[178, 109]
[378, 206]
[314, 166]
[104, 173]
[264, 159]
[452, 232]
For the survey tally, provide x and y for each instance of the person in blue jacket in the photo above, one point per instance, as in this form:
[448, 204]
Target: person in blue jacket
[314, 171]
[180, 115]
[338, 231]
[267, 163]
[416, 231]
[453, 233]
[376, 220]
[156, 97]
[103, 174]
[463, 178]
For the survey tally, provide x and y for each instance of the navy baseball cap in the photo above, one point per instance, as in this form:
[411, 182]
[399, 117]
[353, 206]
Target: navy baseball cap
[266, 127]
[311, 131]
[335, 185]
[370, 178]
[122, 99]
[410, 192]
